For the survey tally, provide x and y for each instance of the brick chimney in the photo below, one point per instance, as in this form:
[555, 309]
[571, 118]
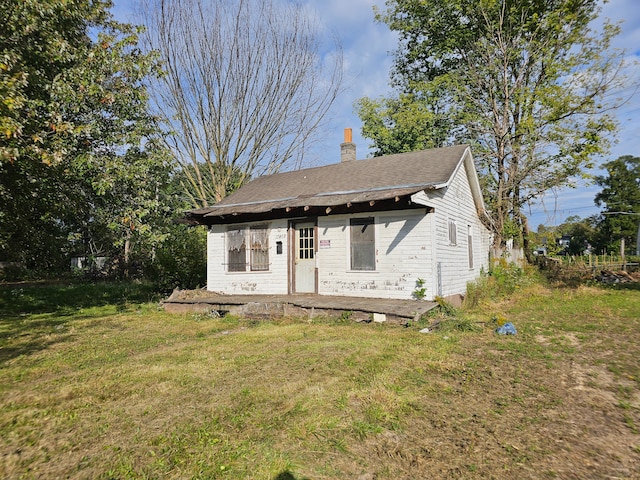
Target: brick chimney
[348, 148]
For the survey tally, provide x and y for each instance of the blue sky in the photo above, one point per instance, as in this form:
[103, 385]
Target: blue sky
[367, 52]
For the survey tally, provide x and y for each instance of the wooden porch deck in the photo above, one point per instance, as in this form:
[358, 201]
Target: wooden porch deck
[272, 306]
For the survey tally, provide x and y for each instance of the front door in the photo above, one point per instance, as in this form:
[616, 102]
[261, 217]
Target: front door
[304, 271]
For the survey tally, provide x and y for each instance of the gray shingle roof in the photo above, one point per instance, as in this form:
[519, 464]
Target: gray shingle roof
[377, 178]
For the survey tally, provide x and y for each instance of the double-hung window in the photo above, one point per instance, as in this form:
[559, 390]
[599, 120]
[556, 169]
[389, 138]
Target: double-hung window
[259, 241]
[363, 243]
[248, 248]
[470, 244]
[453, 232]
[236, 250]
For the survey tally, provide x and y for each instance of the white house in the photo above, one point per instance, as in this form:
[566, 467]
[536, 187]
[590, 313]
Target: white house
[383, 227]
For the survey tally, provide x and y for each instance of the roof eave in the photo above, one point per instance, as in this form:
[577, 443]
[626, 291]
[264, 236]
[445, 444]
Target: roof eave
[398, 202]
[325, 200]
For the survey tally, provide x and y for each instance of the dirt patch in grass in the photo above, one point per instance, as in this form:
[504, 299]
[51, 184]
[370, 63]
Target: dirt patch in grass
[558, 417]
[134, 392]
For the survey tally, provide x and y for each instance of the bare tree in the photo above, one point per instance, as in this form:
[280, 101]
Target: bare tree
[247, 86]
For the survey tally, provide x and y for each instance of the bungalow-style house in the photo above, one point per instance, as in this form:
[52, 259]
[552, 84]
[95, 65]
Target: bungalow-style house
[399, 226]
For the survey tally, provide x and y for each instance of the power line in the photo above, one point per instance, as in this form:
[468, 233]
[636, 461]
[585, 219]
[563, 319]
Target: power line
[620, 213]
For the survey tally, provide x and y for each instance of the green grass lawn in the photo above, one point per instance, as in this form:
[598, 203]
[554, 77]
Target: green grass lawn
[97, 381]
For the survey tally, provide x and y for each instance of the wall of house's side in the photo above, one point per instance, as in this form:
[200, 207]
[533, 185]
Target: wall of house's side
[274, 281]
[403, 254]
[455, 204]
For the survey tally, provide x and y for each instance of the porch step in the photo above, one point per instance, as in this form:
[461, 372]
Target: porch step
[274, 306]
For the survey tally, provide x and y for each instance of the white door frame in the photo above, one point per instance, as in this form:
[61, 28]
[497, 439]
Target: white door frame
[294, 253]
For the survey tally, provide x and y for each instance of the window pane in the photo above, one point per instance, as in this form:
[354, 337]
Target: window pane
[363, 248]
[470, 245]
[306, 243]
[259, 236]
[236, 251]
[453, 233]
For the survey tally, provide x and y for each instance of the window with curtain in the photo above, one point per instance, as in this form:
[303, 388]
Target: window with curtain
[259, 241]
[236, 250]
[248, 247]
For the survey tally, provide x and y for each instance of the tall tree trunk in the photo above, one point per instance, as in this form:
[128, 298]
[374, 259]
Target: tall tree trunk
[127, 250]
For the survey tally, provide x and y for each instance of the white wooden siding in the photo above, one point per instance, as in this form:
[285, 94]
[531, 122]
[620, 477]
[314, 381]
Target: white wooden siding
[403, 254]
[452, 272]
[274, 281]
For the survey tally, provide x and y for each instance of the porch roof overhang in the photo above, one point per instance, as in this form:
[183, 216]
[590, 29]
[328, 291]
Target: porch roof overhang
[322, 204]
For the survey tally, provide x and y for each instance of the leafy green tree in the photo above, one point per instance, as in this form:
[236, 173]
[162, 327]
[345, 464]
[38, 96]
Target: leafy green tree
[620, 197]
[583, 237]
[181, 260]
[526, 80]
[409, 122]
[582, 232]
[78, 168]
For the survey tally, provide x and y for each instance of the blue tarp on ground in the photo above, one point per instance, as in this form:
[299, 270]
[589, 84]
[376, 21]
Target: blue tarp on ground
[507, 329]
